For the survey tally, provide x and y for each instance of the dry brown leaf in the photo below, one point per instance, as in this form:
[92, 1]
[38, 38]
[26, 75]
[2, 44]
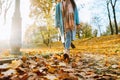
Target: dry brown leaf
[74, 65]
[67, 76]
[4, 67]
[107, 63]
[63, 76]
[62, 64]
[90, 73]
[24, 58]
[5, 78]
[21, 70]
[15, 77]
[51, 69]
[38, 72]
[24, 76]
[9, 72]
[1, 75]
[31, 66]
[37, 59]
[43, 69]
[15, 64]
[77, 59]
[32, 76]
[71, 70]
[114, 66]
[51, 77]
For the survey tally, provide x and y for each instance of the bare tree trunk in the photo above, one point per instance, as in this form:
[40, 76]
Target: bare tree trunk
[97, 20]
[100, 30]
[114, 14]
[16, 30]
[112, 31]
[5, 9]
[8, 5]
[116, 25]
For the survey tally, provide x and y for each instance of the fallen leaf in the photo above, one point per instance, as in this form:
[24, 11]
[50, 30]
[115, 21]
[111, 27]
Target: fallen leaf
[24, 76]
[32, 76]
[9, 72]
[24, 58]
[62, 64]
[114, 66]
[4, 67]
[15, 64]
[51, 77]
[51, 69]
[74, 65]
[21, 70]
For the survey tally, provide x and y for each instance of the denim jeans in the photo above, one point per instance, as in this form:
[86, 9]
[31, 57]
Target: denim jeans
[68, 39]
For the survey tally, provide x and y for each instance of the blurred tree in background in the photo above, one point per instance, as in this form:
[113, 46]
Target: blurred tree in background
[112, 4]
[42, 11]
[16, 30]
[108, 30]
[5, 5]
[85, 31]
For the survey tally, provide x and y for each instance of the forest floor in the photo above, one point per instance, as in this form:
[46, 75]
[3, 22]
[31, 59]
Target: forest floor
[92, 59]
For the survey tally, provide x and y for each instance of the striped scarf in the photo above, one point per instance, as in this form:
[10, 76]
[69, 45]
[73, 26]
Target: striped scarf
[68, 15]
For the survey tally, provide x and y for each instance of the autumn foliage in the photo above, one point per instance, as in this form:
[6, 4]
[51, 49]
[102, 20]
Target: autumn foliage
[92, 59]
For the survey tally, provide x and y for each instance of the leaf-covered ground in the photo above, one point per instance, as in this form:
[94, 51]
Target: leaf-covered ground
[53, 67]
[92, 59]
[105, 45]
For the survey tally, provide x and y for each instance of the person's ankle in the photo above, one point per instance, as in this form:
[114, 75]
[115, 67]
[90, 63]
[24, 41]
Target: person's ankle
[67, 51]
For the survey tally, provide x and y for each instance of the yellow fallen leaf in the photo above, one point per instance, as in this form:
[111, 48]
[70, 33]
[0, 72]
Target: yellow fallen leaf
[15, 64]
[51, 69]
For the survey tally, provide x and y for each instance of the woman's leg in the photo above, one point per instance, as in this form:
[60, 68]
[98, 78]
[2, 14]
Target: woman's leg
[68, 40]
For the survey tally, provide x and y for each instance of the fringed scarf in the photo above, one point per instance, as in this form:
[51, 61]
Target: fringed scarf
[68, 15]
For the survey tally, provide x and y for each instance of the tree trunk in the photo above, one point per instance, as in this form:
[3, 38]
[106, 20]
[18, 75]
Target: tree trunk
[111, 28]
[116, 25]
[99, 30]
[114, 14]
[15, 39]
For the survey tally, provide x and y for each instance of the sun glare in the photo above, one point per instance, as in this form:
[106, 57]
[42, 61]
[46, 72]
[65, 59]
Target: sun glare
[4, 32]
[5, 28]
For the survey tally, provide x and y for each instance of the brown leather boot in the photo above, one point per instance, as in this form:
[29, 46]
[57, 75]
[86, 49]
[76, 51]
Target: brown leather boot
[66, 56]
[72, 45]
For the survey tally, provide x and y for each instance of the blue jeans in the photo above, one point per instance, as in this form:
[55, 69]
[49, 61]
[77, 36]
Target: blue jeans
[68, 39]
